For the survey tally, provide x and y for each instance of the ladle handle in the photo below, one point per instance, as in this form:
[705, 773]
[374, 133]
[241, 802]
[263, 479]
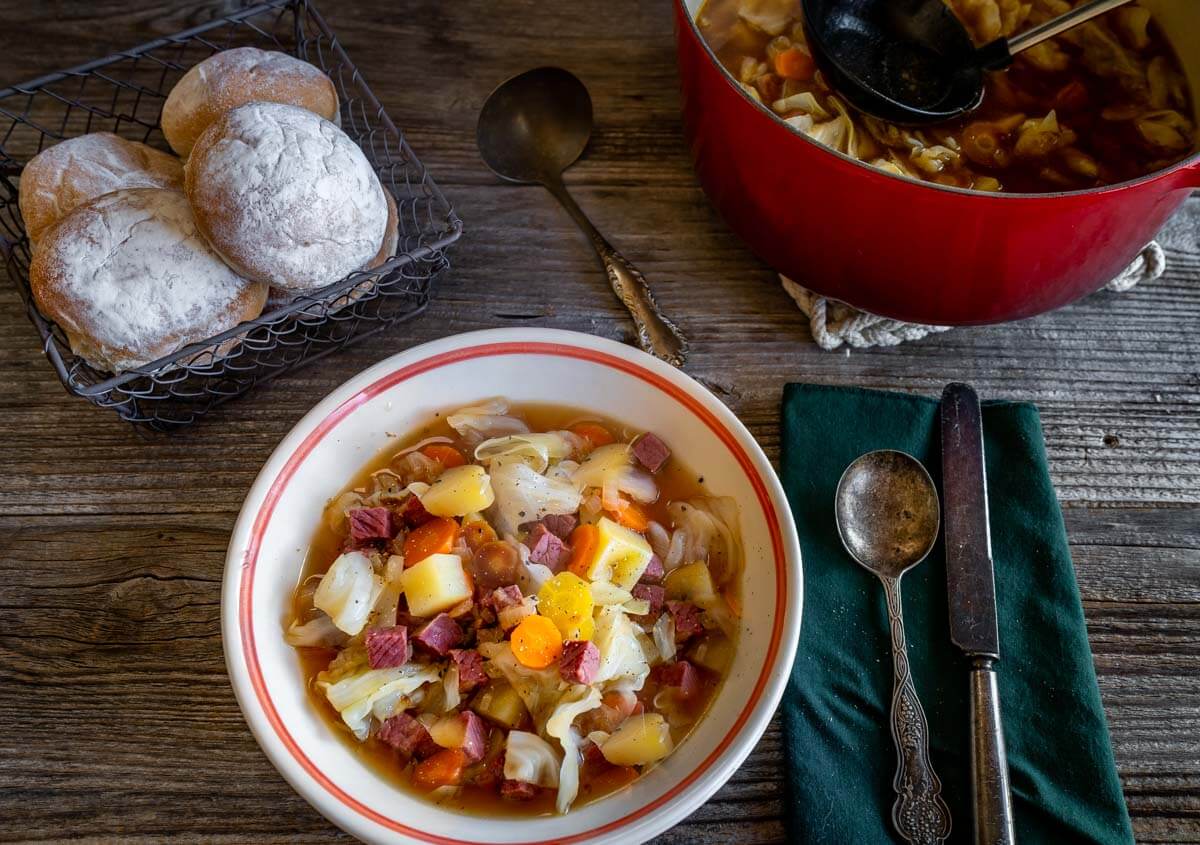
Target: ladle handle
[656, 334]
[919, 814]
[1080, 14]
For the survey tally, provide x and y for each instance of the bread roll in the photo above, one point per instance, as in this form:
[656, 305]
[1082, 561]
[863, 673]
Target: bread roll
[278, 297]
[285, 196]
[65, 176]
[129, 279]
[235, 77]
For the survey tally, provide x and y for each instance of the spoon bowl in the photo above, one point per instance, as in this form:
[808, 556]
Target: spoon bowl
[887, 512]
[531, 129]
[535, 125]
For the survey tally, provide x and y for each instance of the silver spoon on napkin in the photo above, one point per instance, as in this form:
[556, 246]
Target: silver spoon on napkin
[888, 517]
[531, 129]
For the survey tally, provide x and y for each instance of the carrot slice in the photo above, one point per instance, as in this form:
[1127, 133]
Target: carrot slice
[437, 536]
[445, 768]
[536, 642]
[444, 454]
[584, 540]
[610, 780]
[632, 516]
[795, 64]
[594, 433]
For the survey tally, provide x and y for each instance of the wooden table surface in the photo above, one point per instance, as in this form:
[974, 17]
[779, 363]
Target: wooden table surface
[119, 721]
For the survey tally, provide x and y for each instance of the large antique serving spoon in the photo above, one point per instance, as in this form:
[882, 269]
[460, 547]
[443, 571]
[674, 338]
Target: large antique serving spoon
[888, 517]
[531, 129]
[912, 61]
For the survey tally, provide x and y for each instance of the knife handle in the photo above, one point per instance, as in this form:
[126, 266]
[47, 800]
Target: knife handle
[989, 763]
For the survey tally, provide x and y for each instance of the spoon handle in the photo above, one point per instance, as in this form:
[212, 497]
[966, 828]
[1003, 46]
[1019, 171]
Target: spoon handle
[656, 333]
[919, 814]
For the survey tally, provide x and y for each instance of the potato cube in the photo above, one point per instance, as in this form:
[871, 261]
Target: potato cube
[500, 704]
[459, 491]
[691, 582]
[622, 555]
[435, 584]
[639, 741]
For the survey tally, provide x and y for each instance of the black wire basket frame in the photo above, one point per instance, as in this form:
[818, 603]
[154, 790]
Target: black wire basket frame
[123, 93]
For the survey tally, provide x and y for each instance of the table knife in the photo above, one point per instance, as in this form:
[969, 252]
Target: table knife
[972, 594]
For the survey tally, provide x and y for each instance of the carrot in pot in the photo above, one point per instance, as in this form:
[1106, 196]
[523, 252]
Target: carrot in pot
[583, 549]
[444, 454]
[444, 768]
[437, 536]
[594, 433]
[795, 64]
[536, 642]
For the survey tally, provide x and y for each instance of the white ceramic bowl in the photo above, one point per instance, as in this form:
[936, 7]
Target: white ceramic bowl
[349, 426]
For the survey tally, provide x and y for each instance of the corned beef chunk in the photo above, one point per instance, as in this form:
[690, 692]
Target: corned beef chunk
[370, 524]
[580, 661]
[388, 647]
[413, 513]
[475, 735]
[547, 548]
[654, 570]
[651, 593]
[439, 635]
[682, 675]
[408, 736]
[503, 597]
[470, 668]
[517, 790]
[651, 452]
[560, 524]
[687, 619]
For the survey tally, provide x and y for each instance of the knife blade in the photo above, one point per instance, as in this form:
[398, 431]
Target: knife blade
[969, 578]
[971, 584]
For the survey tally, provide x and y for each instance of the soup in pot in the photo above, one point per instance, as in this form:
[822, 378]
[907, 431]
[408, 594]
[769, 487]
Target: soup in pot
[1102, 103]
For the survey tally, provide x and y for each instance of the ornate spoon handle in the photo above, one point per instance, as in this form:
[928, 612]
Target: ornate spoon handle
[656, 333]
[919, 814]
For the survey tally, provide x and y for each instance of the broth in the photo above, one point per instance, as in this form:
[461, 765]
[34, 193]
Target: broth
[675, 482]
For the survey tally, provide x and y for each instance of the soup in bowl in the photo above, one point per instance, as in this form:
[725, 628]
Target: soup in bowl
[566, 614]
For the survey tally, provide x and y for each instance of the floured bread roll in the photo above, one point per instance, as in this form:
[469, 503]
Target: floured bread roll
[278, 297]
[285, 196]
[65, 176]
[129, 278]
[235, 77]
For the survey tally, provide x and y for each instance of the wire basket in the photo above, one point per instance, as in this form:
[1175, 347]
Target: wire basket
[124, 94]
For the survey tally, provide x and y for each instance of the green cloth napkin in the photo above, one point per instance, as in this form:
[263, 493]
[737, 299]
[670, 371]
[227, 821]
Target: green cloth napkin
[838, 749]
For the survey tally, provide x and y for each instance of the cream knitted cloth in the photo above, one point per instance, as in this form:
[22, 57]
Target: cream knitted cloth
[834, 323]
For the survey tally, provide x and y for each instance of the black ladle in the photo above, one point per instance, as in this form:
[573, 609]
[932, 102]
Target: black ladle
[911, 61]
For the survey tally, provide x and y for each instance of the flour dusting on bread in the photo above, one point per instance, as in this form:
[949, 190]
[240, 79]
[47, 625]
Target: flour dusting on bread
[80, 169]
[285, 196]
[130, 279]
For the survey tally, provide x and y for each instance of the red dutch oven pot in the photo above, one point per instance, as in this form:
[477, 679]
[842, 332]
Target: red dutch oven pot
[913, 250]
